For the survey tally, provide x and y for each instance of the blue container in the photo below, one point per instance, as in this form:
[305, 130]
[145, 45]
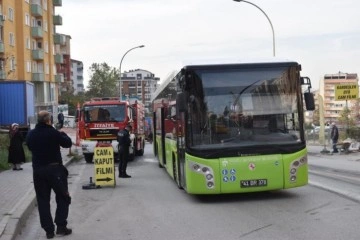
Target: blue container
[17, 103]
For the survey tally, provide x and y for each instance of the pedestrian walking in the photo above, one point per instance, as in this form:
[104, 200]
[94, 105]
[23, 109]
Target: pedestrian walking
[16, 151]
[123, 138]
[49, 174]
[334, 137]
[61, 119]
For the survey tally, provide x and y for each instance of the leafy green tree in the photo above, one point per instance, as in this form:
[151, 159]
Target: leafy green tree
[103, 81]
[72, 100]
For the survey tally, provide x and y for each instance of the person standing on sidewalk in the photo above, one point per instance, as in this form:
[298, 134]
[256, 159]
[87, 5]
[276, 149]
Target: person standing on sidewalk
[334, 137]
[16, 151]
[61, 119]
[49, 174]
[123, 138]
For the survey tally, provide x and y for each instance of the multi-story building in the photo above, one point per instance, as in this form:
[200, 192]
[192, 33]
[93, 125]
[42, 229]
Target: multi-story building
[333, 108]
[28, 41]
[63, 62]
[140, 84]
[77, 78]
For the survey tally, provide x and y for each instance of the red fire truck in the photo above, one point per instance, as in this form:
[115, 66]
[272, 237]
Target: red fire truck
[100, 119]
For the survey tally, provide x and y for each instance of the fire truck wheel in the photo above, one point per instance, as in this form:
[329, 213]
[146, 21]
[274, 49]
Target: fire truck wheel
[141, 151]
[88, 157]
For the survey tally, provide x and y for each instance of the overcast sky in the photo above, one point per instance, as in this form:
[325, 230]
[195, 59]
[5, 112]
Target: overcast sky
[322, 35]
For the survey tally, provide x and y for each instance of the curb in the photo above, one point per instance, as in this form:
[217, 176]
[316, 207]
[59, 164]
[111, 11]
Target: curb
[18, 216]
[338, 191]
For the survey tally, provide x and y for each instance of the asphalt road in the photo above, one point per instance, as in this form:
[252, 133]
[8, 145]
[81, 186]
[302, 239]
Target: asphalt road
[150, 206]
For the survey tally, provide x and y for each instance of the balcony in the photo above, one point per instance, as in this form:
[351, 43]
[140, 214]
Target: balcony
[59, 59]
[57, 20]
[38, 77]
[59, 39]
[36, 10]
[2, 75]
[38, 54]
[57, 3]
[36, 32]
[59, 78]
[2, 47]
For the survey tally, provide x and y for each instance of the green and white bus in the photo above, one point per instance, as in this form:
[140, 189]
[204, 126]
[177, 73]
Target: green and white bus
[233, 127]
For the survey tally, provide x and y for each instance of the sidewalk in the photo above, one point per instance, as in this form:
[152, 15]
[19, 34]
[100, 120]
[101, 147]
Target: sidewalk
[342, 161]
[17, 199]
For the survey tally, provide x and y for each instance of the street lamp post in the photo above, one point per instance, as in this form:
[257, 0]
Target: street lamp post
[141, 46]
[272, 28]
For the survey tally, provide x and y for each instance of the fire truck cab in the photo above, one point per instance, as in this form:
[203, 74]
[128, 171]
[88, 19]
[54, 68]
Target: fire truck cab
[99, 121]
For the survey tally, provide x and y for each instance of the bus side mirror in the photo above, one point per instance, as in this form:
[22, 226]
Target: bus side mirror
[309, 101]
[181, 102]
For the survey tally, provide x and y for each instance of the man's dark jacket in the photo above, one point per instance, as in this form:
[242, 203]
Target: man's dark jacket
[44, 142]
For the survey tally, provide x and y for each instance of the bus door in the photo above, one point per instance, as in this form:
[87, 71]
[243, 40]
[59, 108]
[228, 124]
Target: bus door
[181, 148]
[160, 131]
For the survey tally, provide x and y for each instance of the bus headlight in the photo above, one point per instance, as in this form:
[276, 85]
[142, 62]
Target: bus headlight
[206, 171]
[294, 167]
[209, 176]
[196, 167]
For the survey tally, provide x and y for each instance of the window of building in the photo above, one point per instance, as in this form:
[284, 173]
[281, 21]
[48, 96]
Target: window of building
[45, 26]
[138, 76]
[46, 47]
[11, 14]
[28, 43]
[12, 39]
[27, 19]
[45, 5]
[34, 67]
[39, 45]
[47, 68]
[34, 45]
[28, 66]
[12, 64]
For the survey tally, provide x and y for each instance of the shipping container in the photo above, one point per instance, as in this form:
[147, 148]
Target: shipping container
[17, 103]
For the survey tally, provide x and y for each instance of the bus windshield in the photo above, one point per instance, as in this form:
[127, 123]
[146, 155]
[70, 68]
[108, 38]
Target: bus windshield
[244, 107]
[104, 113]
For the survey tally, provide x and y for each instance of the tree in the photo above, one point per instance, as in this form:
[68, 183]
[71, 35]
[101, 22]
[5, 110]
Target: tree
[72, 101]
[103, 81]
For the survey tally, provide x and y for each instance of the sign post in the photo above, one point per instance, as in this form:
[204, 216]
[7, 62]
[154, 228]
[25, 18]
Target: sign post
[104, 166]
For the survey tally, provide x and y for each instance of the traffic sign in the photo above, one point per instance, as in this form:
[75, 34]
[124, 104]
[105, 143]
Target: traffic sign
[104, 166]
[346, 92]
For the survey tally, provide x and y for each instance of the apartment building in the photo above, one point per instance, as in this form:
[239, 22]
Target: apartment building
[77, 78]
[333, 108]
[28, 47]
[139, 84]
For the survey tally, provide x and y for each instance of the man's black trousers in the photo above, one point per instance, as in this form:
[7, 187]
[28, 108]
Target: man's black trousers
[123, 160]
[52, 177]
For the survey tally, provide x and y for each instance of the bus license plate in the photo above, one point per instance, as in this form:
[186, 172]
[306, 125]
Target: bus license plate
[253, 183]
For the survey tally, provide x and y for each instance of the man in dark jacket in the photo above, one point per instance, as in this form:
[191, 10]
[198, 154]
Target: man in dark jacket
[49, 173]
[123, 138]
[61, 119]
[334, 137]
